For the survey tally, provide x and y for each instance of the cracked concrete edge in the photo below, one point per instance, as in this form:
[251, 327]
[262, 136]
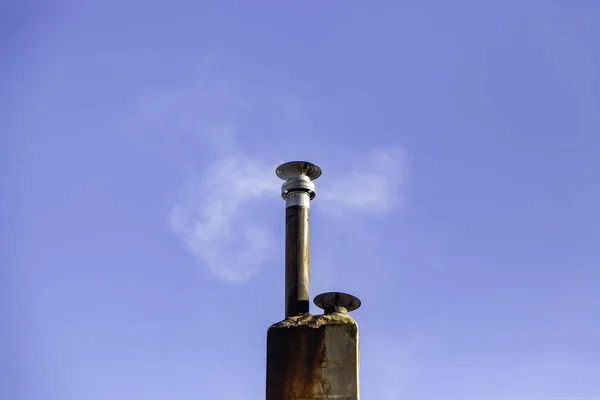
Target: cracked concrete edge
[315, 321]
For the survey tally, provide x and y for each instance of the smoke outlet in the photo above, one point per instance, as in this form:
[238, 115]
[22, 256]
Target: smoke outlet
[337, 302]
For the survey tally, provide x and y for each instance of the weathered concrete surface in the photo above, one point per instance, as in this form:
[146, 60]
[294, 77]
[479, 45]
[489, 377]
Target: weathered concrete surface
[313, 357]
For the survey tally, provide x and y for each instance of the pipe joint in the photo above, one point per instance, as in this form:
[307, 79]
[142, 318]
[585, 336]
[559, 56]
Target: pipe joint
[297, 199]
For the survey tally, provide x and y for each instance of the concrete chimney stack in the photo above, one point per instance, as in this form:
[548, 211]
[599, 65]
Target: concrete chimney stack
[309, 357]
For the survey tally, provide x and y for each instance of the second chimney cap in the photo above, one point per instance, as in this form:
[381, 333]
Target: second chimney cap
[331, 300]
[293, 169]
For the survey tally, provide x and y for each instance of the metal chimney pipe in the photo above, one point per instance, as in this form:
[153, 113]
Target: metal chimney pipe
[297, 191]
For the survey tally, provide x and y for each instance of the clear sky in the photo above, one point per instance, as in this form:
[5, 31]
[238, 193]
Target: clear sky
[141, 226]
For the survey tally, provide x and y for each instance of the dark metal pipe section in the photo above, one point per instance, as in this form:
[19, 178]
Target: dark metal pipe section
[297, 191]
[297, 260]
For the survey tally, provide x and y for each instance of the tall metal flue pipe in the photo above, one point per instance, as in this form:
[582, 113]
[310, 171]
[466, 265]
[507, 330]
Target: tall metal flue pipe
[297, 191]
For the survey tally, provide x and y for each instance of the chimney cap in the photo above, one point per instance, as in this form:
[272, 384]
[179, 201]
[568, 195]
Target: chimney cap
[333, 300]
[294, 169]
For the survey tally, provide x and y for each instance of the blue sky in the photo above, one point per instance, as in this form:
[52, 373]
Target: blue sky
[141, 224]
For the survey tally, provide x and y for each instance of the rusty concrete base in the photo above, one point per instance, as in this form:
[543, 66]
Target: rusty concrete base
[313, 357]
